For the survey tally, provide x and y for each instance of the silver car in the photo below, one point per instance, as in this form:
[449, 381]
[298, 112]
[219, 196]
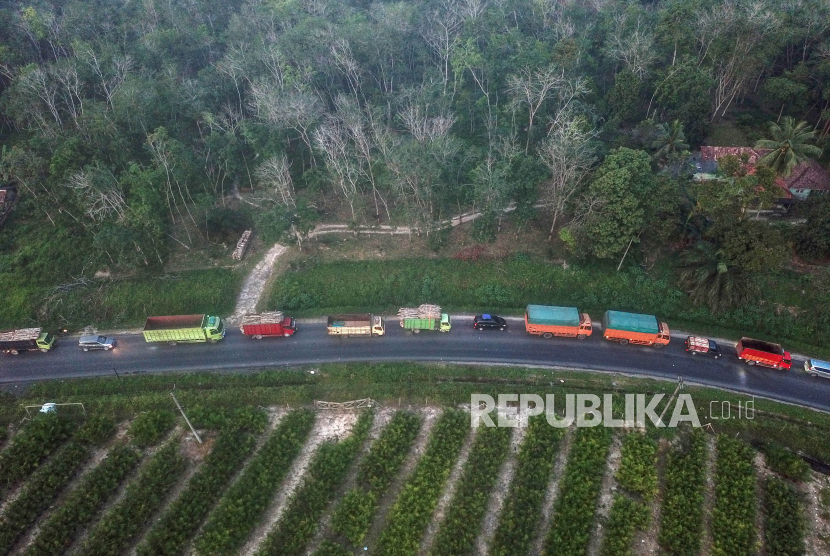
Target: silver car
[88, 343]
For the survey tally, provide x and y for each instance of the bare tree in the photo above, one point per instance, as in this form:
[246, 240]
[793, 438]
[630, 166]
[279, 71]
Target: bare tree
[102, 201]
[39, 85]
[423, 127]
[568, 155]
[534, 87]
[159, 145]
[341, 53]
[66, 74]
[440, 28]
[332, 140]
[274, 176]
[109, 79]
[298, 108]
[631, 45]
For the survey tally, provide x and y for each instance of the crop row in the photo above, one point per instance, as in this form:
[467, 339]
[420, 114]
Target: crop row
[84, 502]
[242, 507]
[733, 517]
[521, 511]
[682, 513]
[31, 445]
[354, 513]
[573, 513]
[627, 516]
[326, 471]
[412, 511]
[638, 465]
[40, 491]
[784, 519]
[182, 518]
[143, 497]
[463, 520]
[150, 426]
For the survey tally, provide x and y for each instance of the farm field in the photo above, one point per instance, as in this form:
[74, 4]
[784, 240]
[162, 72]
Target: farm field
[400, 476]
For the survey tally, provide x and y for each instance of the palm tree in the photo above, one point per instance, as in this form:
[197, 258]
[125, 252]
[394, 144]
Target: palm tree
[789, 146]
[670, 139]
[710, 280]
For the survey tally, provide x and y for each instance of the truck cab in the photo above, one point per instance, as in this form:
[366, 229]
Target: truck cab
[664, 337]
[445, 323]
[377, 326]
[45, 341]
[586, 327]
[215, 328]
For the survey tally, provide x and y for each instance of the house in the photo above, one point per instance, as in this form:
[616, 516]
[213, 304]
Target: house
[805, 178]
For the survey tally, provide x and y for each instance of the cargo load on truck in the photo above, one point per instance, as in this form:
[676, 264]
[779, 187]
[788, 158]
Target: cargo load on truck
[767, 354]
[548, 321]
[271, 323]
[26, 339]
[635, 328]
[424, 317]
[177, 329]
[363, 324]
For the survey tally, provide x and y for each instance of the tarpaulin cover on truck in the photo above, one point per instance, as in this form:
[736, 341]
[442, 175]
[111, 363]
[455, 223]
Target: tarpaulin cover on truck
[632, 322]
[552, 316]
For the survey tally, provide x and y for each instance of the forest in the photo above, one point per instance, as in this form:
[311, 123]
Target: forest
[133, 128]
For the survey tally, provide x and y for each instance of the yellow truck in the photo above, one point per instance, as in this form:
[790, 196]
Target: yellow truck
[363, 324]
[178, 329]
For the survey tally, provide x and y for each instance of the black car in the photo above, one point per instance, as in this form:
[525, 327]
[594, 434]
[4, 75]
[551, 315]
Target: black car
[489, 322]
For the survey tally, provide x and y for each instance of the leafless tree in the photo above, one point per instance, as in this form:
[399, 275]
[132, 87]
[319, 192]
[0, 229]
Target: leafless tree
[109, 78]
[66, 75]
[175, 191]
[631, 45]
[439, 31]
[343, 59]
[297, 108]
[274, 176]
[234, 65]
[423, 127]
[534, 87]
[332, 140]
[101, 201]
[39, 85]
[568, 155]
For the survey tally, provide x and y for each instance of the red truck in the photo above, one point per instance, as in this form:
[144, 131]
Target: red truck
[272, 323]
[759, 352]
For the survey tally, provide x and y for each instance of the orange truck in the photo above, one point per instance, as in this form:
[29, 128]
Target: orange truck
[635, 328]
[767, 354]
[548, 321]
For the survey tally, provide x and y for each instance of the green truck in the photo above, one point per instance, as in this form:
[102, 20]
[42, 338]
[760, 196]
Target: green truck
[184, 329]
[26, 339]
[424, 317]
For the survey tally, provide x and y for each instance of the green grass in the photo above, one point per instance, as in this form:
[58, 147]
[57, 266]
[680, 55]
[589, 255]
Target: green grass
[507, 285]
[121, 303]
[727, 134]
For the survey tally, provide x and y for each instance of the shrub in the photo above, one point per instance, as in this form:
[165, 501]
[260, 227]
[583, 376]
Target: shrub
[638, 465]
[31, 445]
[123, 523]
[784, 520]
[149, 427]
[97, 429]
[682, 514]
[784, 462]
[625, 519]
[733, 517]
[246, 418]
[353, 516]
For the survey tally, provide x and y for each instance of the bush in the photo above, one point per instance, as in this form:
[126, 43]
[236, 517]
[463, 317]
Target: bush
[784, 462]
[31, 445]
[626, 518]
[733, 517]
[784, 520]
[353, 516]
[248, 418]
[681, 523]
[97, 429]
[638, 465]
[149, 427]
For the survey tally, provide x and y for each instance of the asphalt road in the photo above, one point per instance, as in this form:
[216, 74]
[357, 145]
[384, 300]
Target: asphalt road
[311, 345]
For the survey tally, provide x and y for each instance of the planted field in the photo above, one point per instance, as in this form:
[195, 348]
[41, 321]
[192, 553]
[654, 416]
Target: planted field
[30, 446]
[784, 519]
[412, 511]
[521, 511]
[579, 488]
[299, 522]
[463, 520]
[733, 517]
[682, 513]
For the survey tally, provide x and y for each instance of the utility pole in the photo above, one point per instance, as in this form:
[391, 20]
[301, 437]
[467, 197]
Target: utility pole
[196, 434]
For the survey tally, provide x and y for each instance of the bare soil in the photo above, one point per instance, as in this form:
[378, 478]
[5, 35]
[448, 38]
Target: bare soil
[818, 514]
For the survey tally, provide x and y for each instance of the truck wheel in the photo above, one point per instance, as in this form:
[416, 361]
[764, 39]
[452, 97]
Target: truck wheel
[813, 375]
[623, 342]
[416, 331]
[581, 336]
[286, 335]
[44, 350]
[213, 340]
[695, 353]
[172, 343]
[258, 337]
[659, 346]
[14, 352]
[547, 335]
[750, 363]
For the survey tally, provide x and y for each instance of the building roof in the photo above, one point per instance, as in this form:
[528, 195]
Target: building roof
[808, 175]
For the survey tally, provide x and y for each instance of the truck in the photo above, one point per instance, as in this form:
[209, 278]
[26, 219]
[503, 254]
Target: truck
[364, 324]
[549, 321]
[26, 339]
[424, 317]
[177, 329]
[767, 354]
[272, 323]
[635, 328]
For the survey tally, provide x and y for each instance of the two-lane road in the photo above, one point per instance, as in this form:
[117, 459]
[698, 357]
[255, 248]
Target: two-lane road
[311, 345]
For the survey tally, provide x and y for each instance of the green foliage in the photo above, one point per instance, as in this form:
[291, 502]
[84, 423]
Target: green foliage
[39, 492]
[329, 548]
[638, 465]
[784, 520]
[225, 224]
[414, 507]
[244, 417]
[789, 145]
[325, 473]
[521, 509]
[82, 505]
[784, 462]
[353, 515]
[149, 427]
[681, 520]
[573, 512]
[181, 519]
[242, 507]
[812, 241]
[437, 239]
[31, 445]
[466, 511]
[144, 496]
[625, 519]
[733, 517]
[97, 429]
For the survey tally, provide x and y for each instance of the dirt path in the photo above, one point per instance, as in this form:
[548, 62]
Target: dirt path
[499, 494]
[818, 515]
[329, 426]
[446, 497]
[606, 496]
[709, 500]
[552, 493]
